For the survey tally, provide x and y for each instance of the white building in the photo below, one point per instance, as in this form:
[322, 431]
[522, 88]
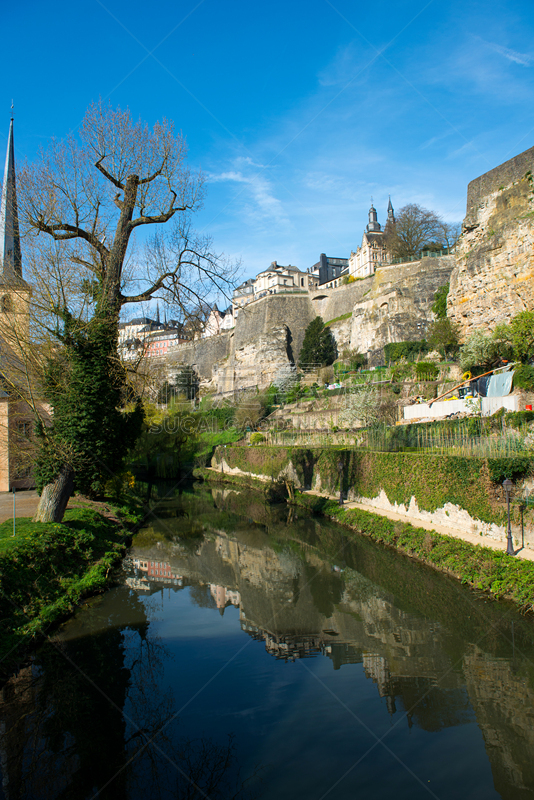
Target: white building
[275, 279]
[372, 252]
[218, 321]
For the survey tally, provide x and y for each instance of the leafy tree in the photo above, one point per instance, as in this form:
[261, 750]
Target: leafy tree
[483, 350]
[318, 347]
[80, 204]
[443, 337]
[439, 307]
[367, 407]
[416, 229]
[85, 384]
[187, 383]
[522, 336]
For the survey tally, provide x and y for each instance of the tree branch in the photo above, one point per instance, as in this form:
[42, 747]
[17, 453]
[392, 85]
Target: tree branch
[71, 232]
[108, 175]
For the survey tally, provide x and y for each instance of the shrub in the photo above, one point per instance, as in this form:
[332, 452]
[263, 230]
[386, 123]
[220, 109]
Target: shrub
[394, 351]
[426, 371]
[522, 335]
[439, 306]
[524, 378]
[256, 438]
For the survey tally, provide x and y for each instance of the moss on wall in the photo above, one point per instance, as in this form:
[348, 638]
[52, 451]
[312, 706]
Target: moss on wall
[434, 480]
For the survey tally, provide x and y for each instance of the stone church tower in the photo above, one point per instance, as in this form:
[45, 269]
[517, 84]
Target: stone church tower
[14, 291]
[16, 416]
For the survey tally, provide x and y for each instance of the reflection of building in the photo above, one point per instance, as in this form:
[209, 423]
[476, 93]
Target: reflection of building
[159, 571]
[224, 597]
[285, 647]
[296, 605]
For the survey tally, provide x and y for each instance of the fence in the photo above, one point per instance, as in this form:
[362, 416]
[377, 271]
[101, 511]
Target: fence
[460, 440]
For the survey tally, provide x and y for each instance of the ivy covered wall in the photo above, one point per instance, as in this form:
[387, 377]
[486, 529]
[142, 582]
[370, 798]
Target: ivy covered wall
[473, 484]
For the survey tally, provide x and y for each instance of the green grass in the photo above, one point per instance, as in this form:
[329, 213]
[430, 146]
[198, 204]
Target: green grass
[338, 319]
[48, 568]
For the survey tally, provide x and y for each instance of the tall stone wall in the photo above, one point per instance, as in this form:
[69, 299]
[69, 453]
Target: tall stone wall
[334, 303]
[255, 320]
[201, 354]
[397, 305]
[493, 277]
[480, 189]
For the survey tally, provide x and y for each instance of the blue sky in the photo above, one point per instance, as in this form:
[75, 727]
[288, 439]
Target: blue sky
[297, 112]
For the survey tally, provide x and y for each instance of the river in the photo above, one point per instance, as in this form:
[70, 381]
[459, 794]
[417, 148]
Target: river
[251, 651]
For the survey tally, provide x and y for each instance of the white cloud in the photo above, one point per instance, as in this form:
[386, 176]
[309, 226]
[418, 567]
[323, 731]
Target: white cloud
[262, 205]
[512, 55]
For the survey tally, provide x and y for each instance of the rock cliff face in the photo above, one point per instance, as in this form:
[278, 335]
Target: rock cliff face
[256, 362]
[398, 304]
[493, 277]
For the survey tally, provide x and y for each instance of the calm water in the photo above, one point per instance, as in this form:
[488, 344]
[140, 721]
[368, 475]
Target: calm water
[248, 653]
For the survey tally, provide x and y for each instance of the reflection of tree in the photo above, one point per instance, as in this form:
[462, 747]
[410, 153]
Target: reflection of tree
[201, 596]
[89, 719]
[326, 590]
[209, 770]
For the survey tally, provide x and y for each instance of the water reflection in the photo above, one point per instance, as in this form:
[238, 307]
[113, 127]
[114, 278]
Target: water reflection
[301, 641]
[436, 652]
[90, 718]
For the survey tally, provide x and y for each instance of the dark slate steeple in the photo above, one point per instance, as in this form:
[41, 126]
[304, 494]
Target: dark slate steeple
[10, 254]
[391, 213]
[373, 226]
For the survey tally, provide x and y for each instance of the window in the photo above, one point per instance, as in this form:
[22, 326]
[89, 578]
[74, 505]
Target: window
[24, 429]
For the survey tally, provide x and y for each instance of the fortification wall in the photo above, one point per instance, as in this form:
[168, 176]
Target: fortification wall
[480, 189]
[202, 354]
[258, 318]
[398, 305]
[332, 303]
[494, 275]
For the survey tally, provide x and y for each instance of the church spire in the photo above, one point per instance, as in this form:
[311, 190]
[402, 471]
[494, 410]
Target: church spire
[10, 254]
[391, 213]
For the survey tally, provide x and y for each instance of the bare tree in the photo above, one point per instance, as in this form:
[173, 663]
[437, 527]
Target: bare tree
[80, 205]
[416, 228]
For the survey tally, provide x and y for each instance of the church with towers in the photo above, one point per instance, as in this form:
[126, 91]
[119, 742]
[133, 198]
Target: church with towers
[372, 252]
[16, 416]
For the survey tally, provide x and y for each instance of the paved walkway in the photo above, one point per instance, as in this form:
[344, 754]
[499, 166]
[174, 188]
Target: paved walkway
[26, 502]
[457, 533]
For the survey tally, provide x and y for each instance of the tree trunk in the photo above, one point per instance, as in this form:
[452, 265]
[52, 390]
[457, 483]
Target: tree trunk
[55, 496]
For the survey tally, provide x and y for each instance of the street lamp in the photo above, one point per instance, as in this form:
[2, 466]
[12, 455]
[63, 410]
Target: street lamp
[508, 486]
[340, 470]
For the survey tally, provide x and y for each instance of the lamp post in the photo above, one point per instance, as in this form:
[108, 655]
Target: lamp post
[340, 470]
[507, 486]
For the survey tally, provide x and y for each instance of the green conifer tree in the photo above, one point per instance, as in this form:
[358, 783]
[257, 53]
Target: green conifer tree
[319, 346]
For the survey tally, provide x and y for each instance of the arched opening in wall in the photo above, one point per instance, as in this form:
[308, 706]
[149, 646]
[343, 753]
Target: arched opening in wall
[320, 297]
[6, 304]
[383, 310]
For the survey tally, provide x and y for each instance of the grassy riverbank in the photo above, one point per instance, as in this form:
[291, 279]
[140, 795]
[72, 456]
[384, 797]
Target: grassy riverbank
[47, 568]
[484, 569]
